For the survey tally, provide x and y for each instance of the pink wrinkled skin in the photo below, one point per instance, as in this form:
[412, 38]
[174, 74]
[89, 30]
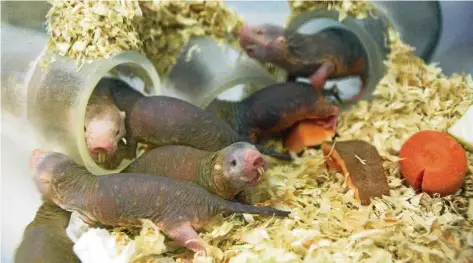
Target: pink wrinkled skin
[253, 160]
[263, 42]
[42, 177]
[103, 133]
[36, 156]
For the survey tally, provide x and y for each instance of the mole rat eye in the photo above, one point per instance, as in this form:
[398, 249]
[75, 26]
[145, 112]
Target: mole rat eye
[259, 32]
[233, 162]
[116, 133]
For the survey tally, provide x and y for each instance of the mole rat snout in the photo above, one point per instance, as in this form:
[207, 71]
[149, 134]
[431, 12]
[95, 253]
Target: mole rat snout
[243, 34]
[254, 165]
[36, 156]
[254, 160]
[249, 40]
[42, 175]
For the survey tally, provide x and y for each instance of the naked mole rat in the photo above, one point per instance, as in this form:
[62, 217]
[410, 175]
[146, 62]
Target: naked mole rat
[225, 172]
[177, 207]
[45, 239]
[104, 123]
[330, 53]
[163, 120]
[275, 109]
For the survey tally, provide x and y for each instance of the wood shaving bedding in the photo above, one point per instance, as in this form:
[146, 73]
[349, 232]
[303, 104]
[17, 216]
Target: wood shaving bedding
[326, 224]
[92, 30]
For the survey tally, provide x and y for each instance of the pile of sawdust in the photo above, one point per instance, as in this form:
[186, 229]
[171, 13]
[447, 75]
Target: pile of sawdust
[357, 9]
[167, 27]
[92, 30]
[327, 224]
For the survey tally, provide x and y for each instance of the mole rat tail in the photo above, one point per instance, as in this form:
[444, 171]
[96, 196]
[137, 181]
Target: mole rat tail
[235, 207]
[273, 153]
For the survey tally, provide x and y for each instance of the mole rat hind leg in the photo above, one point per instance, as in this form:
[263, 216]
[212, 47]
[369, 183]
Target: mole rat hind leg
[185, 235]
[320, 76]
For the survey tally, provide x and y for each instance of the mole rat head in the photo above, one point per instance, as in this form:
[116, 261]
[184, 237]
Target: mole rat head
[46, 168]
[243, 165]
[104, 127]
[263, 42]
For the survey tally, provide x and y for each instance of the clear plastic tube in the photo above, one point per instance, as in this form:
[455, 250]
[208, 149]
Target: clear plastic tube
[205, 69]
[368, 32]
[53, 100]
[57, 100]
[20, 49]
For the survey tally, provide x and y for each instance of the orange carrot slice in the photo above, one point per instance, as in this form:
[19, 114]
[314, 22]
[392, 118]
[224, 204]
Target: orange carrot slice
[433, 162]
[362, 166]
[307, 133]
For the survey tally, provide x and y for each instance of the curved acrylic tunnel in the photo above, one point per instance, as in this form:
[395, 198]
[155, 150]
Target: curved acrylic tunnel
[53, 100]
[205, 69]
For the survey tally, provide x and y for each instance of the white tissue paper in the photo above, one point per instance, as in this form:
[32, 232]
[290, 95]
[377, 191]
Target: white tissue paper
[98, 246]
[95, 245]
[76, 227]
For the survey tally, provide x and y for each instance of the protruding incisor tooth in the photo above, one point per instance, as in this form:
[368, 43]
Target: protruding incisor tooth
[261, 171]
[101, 158]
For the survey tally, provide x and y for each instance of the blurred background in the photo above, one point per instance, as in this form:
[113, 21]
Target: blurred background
[443, 37]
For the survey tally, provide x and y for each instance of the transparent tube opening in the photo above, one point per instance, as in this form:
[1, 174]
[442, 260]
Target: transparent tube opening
[368, 33]
[58, 97]
[206, 69]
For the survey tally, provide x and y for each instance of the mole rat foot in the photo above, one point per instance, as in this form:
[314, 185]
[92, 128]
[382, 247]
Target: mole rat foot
[334, 92]
[186, 236]
[318, 79]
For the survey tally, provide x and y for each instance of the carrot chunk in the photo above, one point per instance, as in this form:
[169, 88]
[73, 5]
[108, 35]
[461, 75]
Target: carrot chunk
[433, 162]
[307, 133]
[362, 166]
